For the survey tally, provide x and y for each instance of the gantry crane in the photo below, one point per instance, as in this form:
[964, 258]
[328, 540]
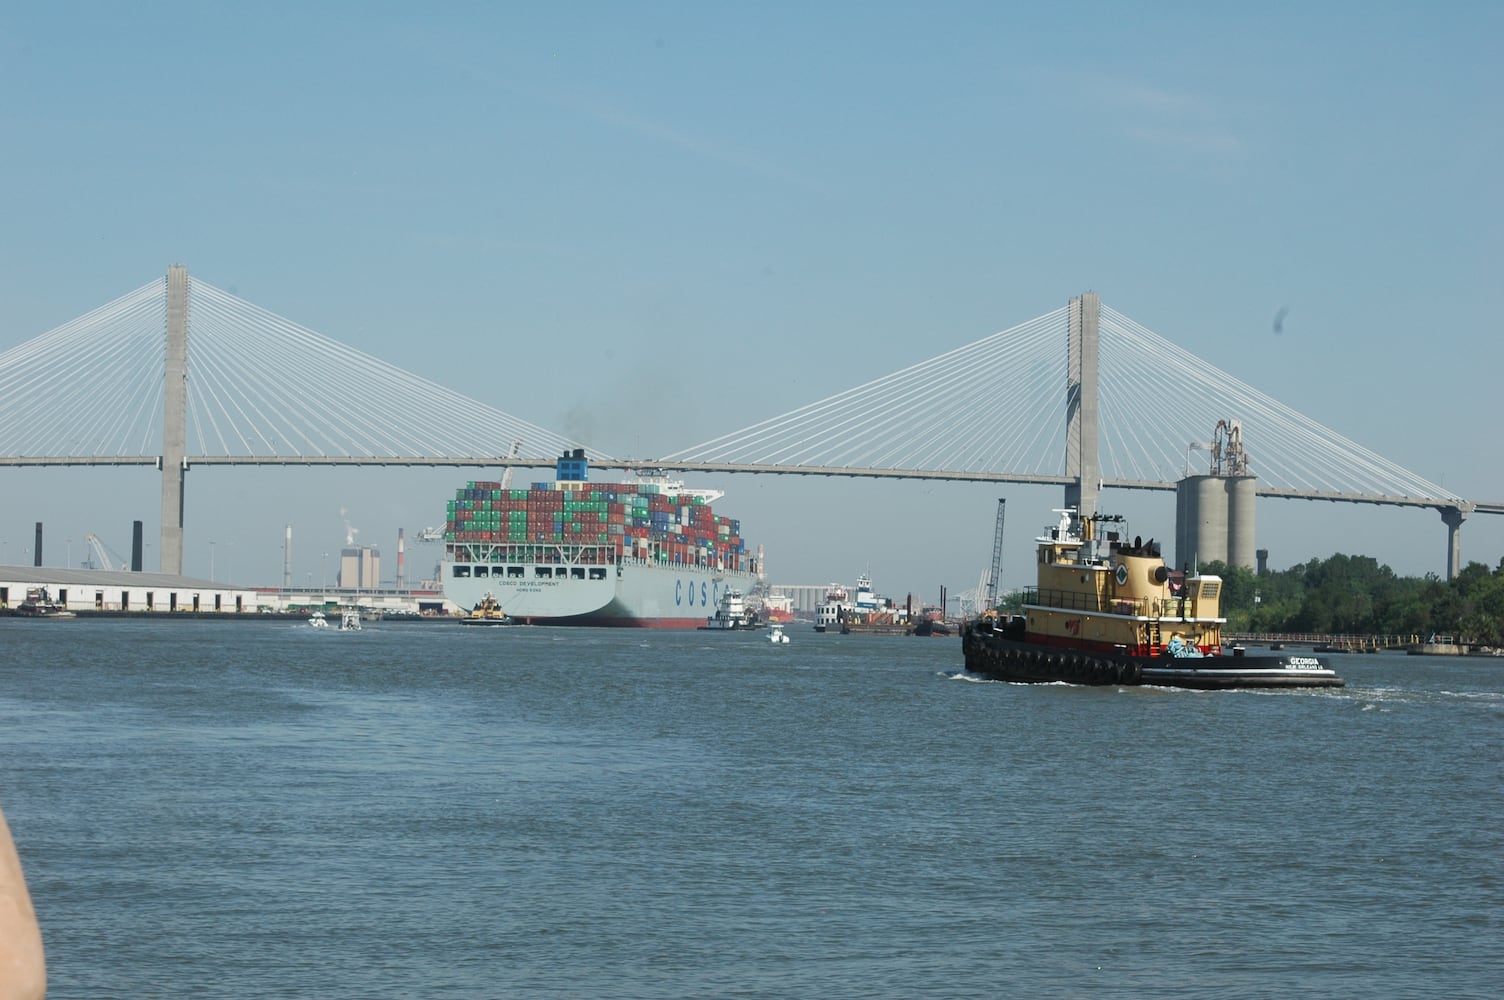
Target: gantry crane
[101, 553]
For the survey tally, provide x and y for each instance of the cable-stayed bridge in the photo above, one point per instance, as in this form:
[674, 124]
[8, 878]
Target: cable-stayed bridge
[179, 373]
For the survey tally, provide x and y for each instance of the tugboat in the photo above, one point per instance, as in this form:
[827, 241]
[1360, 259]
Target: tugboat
[488, 612]
[830, 615]
[1109, 611]
[39, 604]
[731, 615]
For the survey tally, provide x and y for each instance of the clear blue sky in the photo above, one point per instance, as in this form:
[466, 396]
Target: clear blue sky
[647, 224]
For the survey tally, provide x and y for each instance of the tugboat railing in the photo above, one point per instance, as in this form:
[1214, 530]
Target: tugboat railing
[1141, 607]
[1332, 641]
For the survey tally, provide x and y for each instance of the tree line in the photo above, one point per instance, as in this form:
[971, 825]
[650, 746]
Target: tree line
[1355, 595]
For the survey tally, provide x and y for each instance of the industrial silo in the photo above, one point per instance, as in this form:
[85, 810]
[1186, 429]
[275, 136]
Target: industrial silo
[1241, 523]
[1186, 516]
[1200, 520]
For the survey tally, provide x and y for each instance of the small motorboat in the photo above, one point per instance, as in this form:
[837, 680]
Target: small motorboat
[349, 621]
[775, 634]
[317, 620]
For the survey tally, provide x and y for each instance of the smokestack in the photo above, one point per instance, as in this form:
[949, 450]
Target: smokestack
[401, 561]
[37, 560]
[136, 546]
[287, 560]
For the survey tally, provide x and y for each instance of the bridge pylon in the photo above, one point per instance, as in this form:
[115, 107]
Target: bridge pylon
[1082, 469]
[175, 421]
[1453, 517]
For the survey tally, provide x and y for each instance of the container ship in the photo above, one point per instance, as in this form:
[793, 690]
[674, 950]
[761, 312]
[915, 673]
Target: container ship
[1107, 610]
[646, 554]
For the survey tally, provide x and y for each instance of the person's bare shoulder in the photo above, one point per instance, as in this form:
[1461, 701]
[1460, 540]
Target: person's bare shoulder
[23, 968]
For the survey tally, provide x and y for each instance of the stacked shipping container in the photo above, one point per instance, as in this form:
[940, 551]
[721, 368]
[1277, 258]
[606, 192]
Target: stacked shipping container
[616, 521]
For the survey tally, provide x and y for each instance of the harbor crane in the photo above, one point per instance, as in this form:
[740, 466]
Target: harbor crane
[431, 534]
[103, 554]
[506, 477]
[997, 555]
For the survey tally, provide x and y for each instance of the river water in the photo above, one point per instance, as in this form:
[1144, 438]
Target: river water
[257, 809]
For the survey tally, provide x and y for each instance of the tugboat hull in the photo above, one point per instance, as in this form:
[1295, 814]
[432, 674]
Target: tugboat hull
[990, 655]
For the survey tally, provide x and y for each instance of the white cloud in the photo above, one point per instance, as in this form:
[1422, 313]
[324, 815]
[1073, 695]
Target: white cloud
[1166, 120]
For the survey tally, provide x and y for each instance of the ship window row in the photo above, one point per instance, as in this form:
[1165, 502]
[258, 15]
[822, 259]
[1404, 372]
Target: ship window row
[539, 572]
[151, 601]
[599, 555]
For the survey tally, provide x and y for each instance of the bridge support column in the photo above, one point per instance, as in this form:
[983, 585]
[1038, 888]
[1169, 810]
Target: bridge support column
[175, 421]
[1453, 518]
[1081, 465]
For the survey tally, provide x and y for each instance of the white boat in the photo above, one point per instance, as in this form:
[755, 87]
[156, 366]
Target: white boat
[317, 620]
[349, 621]
[775, 634]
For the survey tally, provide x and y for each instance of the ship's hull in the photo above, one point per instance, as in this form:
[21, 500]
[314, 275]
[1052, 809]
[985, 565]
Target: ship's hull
[629, 594]
[989, 654]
